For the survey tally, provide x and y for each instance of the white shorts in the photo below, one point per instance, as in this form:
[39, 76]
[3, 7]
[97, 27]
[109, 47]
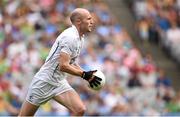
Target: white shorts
[40, 91]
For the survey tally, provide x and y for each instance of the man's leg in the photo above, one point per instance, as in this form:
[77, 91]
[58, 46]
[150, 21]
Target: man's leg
[28, 109]
[71, 100]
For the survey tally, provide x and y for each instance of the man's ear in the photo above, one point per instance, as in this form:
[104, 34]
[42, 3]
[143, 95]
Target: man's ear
[78, 21]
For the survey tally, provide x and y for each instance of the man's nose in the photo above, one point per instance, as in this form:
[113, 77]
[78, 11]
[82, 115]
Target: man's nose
[92, 22]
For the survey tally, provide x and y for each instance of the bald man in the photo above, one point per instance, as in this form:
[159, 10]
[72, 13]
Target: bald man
[50, 81]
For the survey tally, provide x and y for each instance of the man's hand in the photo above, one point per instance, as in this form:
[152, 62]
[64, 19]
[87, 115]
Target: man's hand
[88, 75]
[93, 80]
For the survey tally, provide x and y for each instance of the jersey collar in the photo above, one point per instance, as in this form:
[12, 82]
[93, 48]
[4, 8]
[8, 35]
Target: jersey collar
[77, 33]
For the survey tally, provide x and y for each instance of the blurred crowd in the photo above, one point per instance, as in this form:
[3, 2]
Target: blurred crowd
[158, 21]
[134, 84]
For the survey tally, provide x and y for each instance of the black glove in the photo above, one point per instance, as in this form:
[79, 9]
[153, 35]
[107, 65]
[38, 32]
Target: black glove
[88, 75]
[93, 80]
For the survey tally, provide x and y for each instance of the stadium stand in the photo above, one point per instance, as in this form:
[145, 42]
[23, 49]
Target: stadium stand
[158, 22]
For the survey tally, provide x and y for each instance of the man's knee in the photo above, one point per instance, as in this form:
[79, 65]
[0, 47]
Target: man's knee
[82, 110]
[79, 110]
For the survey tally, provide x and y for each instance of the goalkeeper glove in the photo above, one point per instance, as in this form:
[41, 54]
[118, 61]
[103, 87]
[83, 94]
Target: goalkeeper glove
[93, 80]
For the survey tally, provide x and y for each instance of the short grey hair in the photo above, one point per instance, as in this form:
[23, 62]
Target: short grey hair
[77, 14]
[74, 16]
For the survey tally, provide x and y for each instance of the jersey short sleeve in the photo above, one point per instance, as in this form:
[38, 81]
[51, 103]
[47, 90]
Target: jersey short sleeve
[66, 44]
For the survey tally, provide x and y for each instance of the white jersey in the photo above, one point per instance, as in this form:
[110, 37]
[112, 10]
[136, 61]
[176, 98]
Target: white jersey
[69, 42]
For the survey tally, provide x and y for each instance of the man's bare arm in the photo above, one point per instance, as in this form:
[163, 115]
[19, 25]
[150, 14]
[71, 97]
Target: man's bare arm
[77, 66]
[68, 68]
